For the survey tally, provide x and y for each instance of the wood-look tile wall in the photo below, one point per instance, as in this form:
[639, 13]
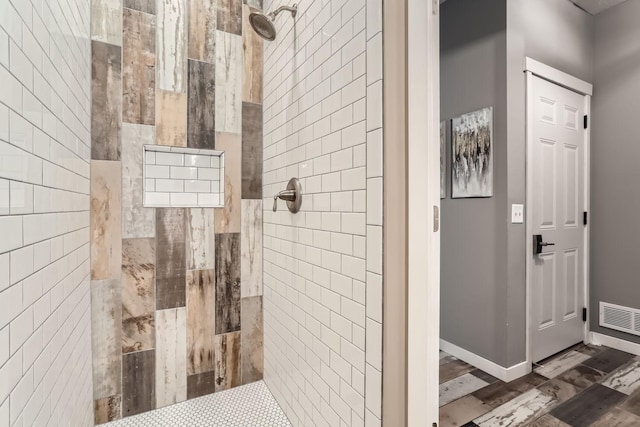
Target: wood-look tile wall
[176, 293]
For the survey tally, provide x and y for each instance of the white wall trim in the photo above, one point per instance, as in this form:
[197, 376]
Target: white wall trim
[599, 339]
[556, 76]
[505, 374]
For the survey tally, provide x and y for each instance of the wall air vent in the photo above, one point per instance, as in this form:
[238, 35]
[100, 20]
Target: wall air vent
[620, 318]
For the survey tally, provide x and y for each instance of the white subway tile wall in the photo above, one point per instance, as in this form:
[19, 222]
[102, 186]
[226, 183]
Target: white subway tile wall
[183, 177]
[323, 265]
[45, 105]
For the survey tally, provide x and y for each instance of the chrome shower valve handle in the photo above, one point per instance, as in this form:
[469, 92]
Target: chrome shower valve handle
[292, 195]
[287, 195]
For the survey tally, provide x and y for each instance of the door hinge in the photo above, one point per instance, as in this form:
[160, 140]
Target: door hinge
[436, 219]
[585, 218]
[584, 314]
[436, 7]
[586, 121]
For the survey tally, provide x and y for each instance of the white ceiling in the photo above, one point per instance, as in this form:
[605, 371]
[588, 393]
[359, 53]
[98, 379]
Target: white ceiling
[596, 6]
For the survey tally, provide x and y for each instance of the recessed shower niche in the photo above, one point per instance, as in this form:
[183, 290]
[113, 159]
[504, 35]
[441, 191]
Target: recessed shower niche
[181, 177]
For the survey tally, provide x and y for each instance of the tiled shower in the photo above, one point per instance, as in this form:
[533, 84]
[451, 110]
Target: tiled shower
[125, 289]
[180, 315]
[323, 266]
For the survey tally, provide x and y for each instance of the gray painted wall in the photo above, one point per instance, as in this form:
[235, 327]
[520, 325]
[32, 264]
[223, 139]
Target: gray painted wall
[483, 46]
[615, 175]
[559, 34]
[473, 274]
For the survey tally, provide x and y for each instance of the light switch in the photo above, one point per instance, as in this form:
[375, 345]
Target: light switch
[517, 214]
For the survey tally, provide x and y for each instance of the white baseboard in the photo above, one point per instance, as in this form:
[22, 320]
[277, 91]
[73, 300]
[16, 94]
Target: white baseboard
[617, 343]
[505, 374]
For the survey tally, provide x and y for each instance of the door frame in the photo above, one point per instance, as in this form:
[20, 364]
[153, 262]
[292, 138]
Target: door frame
[423, 207]
[538, 69]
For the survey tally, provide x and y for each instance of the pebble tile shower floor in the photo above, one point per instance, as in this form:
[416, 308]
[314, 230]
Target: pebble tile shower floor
[251, 405]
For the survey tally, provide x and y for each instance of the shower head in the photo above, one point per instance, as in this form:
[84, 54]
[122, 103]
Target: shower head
[264, 25]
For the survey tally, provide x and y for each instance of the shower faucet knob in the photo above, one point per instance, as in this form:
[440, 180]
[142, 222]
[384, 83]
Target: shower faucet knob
[292, 195]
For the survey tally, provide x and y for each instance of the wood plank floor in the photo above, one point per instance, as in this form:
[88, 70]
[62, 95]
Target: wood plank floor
[580, 387]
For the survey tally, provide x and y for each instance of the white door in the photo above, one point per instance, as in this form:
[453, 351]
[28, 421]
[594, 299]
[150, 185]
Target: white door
[557, 188]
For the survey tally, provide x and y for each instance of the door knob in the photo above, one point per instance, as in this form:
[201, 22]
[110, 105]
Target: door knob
[538, 244]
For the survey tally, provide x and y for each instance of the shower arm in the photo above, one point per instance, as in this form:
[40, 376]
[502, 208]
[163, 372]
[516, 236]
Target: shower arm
[293, 9]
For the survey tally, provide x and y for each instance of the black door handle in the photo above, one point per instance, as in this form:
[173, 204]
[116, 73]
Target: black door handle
[538, 244]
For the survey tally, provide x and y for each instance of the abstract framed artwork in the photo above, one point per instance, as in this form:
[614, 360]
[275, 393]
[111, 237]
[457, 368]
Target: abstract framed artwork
[472, 154]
